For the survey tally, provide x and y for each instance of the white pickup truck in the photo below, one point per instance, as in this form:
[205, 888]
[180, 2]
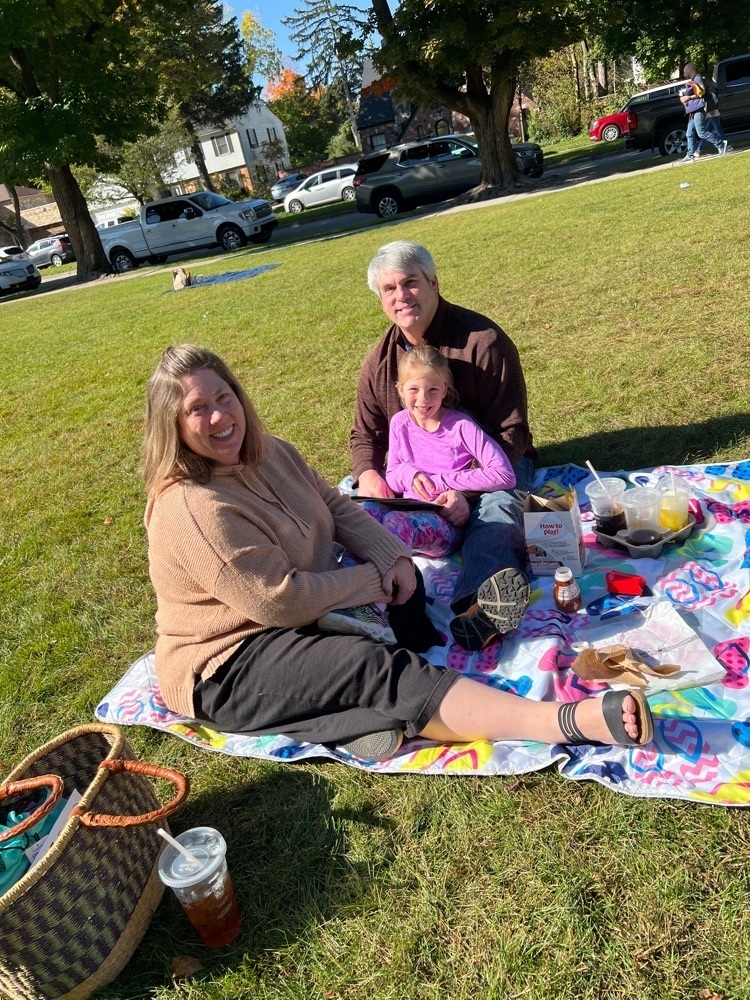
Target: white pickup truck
[186, 222]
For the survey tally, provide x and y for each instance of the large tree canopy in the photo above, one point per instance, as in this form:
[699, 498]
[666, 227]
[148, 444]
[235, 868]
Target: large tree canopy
[69, 73]
[665, 34]
[466, 54]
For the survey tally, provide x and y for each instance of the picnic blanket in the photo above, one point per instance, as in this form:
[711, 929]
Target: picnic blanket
[701, 588]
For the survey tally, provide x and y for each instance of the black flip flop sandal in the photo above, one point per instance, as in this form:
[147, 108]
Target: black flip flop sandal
[612, 711]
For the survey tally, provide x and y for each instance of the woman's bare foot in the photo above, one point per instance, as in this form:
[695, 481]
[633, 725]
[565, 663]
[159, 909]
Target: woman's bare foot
[589, 718]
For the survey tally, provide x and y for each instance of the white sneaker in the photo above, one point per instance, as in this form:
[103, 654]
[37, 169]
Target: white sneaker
[368, 619]
[697, 155]
[722, 148]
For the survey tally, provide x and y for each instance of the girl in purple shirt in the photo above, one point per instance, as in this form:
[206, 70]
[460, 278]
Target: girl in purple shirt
[433, 449]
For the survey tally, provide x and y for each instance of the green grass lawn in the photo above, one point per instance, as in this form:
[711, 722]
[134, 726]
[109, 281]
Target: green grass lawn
[578, 148]
[628, 302]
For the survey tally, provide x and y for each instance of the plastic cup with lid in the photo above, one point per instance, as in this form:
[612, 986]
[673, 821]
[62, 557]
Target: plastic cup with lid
[203, 887]
[674, 513]
[642, 508]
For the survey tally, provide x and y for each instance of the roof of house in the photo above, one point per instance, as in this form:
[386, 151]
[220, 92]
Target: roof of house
[23, 192]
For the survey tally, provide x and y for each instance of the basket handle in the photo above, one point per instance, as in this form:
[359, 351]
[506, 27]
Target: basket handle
[116, 766]
[51, 781]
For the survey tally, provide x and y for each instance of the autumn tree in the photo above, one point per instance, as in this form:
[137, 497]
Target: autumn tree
[262, 55]
[330, 36]
[70, 73]
[309, 120]
[466, 54]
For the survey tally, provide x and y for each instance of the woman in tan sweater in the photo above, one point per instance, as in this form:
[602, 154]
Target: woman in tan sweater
[241, 538]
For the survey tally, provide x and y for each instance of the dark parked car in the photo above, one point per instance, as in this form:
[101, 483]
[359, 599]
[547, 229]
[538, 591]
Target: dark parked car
[415, 173]
[52, 250]
[283, 185]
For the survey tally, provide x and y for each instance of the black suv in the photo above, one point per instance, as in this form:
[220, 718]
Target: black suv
[419, 172]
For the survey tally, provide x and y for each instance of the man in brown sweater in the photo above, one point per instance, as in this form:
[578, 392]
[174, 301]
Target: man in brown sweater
[492, 592]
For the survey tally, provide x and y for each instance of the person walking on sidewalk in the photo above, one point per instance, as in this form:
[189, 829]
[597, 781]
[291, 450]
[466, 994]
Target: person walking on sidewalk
[693, 97]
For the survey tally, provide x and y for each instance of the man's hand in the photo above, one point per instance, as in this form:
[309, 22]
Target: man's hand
[423, 486]
[455, 506]
[400, 581]
[372, 484]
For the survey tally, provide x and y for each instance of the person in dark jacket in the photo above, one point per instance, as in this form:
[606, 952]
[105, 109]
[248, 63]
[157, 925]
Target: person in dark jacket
[492, 592]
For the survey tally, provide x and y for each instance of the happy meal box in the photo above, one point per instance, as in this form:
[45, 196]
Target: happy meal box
[554, 536]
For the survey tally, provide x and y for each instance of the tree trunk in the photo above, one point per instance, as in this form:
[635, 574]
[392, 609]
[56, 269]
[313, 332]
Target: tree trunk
[200, 161]
[601, 78]
[22, 241]
[352, 116]
[490, 120]
[74, 212]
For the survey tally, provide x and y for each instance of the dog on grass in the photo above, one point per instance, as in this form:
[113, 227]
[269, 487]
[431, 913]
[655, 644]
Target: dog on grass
[181, 278]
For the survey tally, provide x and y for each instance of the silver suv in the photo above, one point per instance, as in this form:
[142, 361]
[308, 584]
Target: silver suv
[393, 180]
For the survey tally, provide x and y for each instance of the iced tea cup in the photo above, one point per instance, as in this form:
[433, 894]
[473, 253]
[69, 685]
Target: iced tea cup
[675, 494]
[204, 890]
[606, 504]
[642, 508]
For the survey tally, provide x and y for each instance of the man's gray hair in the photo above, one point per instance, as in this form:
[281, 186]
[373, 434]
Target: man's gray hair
[400, 255]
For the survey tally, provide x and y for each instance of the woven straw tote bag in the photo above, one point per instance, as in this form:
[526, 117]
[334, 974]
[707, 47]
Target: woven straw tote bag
[71, 923]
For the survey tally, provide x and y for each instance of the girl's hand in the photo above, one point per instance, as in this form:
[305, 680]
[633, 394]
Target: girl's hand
[455, 506]
[423, 486]
[400, 581]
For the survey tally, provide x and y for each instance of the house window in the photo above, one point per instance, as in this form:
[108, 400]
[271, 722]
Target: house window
[377, 141]
[442, 127]
[421, 132]
[262, 174]
[232, 179]
[222, 145]
[252, 138]
[177, 189]
[272, 137]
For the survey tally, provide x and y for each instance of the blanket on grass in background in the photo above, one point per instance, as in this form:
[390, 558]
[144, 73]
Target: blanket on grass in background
[701, 749]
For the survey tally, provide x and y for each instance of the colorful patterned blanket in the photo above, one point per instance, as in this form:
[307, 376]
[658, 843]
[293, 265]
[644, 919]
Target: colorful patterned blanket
[701, 749]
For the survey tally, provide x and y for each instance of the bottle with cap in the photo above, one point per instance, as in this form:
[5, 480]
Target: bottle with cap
[567, 593]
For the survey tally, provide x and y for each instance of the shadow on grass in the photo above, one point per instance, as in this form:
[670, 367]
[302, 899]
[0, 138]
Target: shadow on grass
[287, 857]
[644, 447]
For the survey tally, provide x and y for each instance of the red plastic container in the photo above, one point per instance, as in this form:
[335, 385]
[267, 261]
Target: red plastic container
[625, 583]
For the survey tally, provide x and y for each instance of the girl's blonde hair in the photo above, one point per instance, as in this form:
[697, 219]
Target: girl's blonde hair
[426, 359]
[165, 456]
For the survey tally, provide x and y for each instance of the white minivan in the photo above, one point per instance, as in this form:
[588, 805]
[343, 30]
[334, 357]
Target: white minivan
[323, 188]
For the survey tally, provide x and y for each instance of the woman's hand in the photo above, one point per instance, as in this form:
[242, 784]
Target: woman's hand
[455, 506]
[372, 484]
[423, 486]
[400, 581]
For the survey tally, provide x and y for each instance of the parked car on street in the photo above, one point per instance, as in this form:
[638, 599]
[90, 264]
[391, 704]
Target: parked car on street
[323, 188]
[282, 186]
[17, 273]
[187, 222]
[415, 173]
[51, 251]
[611, 127]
